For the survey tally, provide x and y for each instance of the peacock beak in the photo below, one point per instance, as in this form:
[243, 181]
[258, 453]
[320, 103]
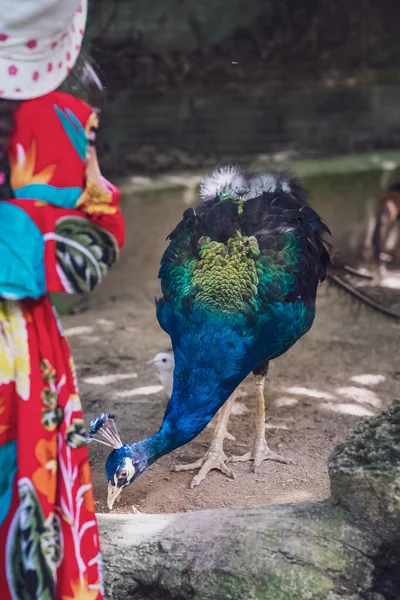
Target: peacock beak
[150, 362]
[113, 493]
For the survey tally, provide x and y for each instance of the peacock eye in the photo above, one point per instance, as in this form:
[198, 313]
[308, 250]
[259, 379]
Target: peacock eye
[164, 360]
[123, 474]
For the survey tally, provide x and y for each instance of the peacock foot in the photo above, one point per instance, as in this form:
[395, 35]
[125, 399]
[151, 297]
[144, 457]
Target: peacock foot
[214, 458]
[259, 453]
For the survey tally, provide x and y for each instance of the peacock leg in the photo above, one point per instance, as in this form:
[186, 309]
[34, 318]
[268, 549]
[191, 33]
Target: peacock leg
[228, 436]
[215, 456]
[260, 450]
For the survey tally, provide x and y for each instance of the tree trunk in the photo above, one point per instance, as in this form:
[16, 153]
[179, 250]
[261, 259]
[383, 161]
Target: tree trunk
[346, 548]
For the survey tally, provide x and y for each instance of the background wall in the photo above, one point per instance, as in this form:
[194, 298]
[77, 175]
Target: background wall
[189, 81]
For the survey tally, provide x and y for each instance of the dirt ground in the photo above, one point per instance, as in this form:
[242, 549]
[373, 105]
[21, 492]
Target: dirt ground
[344, 369]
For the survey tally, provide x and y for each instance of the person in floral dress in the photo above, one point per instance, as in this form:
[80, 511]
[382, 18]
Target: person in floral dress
[61, 229]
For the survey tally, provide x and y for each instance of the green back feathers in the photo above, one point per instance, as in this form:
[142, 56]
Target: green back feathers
[238, 253]
[225, 274]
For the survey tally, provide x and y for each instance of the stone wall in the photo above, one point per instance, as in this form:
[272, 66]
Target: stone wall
[233, 78]
[185, 25]
[313, 121]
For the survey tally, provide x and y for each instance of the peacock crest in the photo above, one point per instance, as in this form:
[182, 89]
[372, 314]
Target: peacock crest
[225, 182]
[230, 182]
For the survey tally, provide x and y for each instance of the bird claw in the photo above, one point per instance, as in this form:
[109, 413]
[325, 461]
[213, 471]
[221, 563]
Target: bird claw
[189, 466]
[260, 453]
[215, 458]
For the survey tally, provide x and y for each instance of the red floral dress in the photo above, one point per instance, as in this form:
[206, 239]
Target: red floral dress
[60, 233]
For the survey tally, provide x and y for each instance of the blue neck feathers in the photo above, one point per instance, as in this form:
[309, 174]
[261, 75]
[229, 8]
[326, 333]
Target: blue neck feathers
[191, 407]
[211, 360]
[202, 383]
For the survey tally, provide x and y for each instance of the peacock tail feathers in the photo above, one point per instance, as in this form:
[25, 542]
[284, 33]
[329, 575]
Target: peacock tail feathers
[225, 274]
[252, 243]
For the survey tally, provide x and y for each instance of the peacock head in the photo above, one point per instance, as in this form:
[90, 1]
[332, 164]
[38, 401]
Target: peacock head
[124, 464]
[120, 472]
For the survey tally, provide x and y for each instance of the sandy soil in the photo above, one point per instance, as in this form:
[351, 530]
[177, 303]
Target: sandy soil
[343, 370]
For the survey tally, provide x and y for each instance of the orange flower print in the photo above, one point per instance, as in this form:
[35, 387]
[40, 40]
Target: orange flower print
[96, 201]
[92, 123]
[3, 427]
[23, 166]
[81, 590]
[86, 480]
[44, 478]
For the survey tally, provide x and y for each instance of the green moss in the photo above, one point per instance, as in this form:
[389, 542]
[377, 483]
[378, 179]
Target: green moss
[329, 559]
[374, 443]
[349, 163]
[286, 583]
[224, 586]
[331, 524]
[294, 583]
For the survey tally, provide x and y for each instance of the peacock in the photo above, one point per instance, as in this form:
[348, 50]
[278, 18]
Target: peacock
[239, 280]
[164, 364]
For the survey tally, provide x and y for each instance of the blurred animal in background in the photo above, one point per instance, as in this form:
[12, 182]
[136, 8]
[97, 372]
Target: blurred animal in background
[383, 234]
[379, 250]
[239, 281]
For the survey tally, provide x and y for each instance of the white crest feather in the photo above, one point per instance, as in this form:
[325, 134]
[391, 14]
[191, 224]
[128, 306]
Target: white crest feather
[227, 180]
[259, 183]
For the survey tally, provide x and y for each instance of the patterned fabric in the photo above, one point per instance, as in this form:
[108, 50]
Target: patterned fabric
[40, 41]
[62, 232]
[49, 546]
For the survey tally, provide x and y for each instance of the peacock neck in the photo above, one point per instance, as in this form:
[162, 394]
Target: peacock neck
[191, 408]
[186, 416]
[152, 448]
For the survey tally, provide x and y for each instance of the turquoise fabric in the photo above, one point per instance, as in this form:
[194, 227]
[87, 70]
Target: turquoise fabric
[22, 272]
[63, 197]
[8, 462]
[74, 130]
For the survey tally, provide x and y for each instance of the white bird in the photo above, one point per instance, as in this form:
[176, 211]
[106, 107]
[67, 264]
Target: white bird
[164, 363]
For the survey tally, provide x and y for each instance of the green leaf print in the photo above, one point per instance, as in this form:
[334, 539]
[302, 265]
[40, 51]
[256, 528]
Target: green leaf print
[31, 557]
[49, 398]
[76, 434]
[51, 541]
[51, 419]
[84, 252]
